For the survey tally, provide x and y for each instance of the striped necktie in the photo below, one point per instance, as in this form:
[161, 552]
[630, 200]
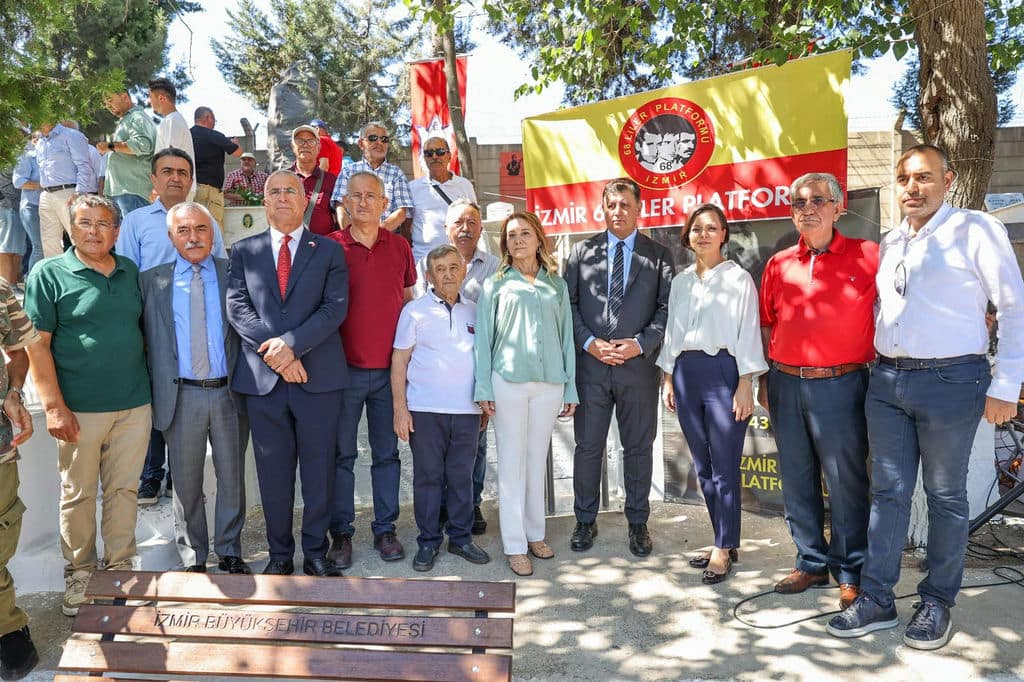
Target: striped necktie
[617, 289]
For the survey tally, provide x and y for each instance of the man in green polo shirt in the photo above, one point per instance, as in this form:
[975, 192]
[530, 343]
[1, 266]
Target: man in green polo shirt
[130, 152]
[90, 371]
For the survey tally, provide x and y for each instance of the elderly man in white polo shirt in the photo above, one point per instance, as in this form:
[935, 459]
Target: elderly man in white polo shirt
[432, 194]
[432, 386]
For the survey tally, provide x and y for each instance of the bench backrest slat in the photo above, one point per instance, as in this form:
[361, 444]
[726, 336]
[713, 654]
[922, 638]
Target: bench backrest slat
[264, 660]
[381, 593]
[297, 626]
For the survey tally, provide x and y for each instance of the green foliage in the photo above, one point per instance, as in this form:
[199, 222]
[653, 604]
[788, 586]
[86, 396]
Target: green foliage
[349, 49]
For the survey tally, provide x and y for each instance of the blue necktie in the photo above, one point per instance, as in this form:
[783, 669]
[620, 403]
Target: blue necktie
[617, 289]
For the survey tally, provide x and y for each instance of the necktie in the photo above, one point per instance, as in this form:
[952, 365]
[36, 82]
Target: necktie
[616, 290]
[197, 325]
[284, 265]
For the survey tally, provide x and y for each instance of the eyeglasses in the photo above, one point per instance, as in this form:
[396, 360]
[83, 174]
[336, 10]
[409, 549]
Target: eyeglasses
[816, 202]
[278, 191]
[900, 283]
[374, 138]
[360, 198]
[99, 225]
[305, 142]
[431, 153]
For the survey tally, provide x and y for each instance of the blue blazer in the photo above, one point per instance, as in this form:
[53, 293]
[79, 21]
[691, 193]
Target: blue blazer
[307, 317]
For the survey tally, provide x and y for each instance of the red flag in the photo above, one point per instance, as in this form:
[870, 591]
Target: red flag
[430, 117]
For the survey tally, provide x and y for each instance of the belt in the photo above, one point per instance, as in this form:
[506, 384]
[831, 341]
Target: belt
[204, 383]
[58, 188]
[821, 372]
[927, 363]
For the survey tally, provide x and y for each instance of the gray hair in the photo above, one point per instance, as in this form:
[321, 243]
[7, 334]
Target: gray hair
[366, 174]
[96, 201]
[807, 178]
[185, 207]
[439, 138]
[457, 206]
[440, 252]
[201, 112]
[286, 172]
[372, 124]
[70, 124]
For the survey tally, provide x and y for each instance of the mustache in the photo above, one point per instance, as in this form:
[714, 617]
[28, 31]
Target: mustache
[195, 244]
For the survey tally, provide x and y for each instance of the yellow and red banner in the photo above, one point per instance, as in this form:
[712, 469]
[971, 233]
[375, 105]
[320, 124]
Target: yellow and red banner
[430, 116]
[737, 140]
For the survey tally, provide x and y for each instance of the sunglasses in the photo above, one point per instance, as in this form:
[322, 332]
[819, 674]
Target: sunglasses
[816, 202]
[374, 138]
[431, 153]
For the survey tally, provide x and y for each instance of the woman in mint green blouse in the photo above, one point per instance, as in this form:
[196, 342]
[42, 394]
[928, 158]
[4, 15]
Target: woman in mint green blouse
[525, 378]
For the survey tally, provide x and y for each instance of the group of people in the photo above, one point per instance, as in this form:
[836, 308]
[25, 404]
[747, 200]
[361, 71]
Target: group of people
[145, 336]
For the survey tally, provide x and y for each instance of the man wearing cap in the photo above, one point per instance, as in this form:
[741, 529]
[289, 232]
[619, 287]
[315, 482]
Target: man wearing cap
[210, 147]
[432, 194]
[329, 157]
[373, 141]
[317, 182]
[248, 177]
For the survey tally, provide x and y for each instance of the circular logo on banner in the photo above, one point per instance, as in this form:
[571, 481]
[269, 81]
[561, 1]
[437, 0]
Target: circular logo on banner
[666, 143]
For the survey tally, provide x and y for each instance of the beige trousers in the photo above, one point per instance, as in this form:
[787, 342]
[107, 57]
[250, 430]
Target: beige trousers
[110, 452]
[213, 199]
[54, 220]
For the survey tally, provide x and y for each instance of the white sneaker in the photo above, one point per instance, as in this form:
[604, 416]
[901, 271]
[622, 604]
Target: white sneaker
[74, 592]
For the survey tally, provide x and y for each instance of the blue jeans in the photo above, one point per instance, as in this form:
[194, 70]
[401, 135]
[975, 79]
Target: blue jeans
[927, 417]
[820, 430]
[370, 388]
[30, 221]
[128, 203]
[156, 455]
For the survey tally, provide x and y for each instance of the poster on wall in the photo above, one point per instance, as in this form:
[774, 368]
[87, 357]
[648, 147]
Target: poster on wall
[735, 140]
[512, 178]
[428, 94]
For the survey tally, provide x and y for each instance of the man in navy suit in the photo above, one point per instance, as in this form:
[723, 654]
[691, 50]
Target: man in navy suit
[287, 296]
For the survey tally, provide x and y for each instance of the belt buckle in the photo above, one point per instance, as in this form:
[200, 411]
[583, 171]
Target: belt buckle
[802, 372]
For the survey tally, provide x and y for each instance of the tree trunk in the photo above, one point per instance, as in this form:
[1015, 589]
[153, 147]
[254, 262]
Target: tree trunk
[958, 100]
[451, 74]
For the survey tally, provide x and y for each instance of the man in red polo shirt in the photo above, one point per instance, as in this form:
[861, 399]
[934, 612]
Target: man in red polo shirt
[318, 183]
[381, 277]
[817, 323]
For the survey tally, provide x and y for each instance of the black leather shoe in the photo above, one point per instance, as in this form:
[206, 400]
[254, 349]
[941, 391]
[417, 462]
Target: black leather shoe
[470, 552]
[424, 559]
[479, 522]
[321, 566]
[18, 654]
[341, 550]
[583, 536]
[234, 564]
[195, 568]
[279, 567]
[640, 540]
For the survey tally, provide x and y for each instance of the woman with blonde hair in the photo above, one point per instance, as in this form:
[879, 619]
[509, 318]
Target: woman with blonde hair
[525, 378]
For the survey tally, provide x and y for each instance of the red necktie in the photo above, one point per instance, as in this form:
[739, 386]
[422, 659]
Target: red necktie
[284, 265]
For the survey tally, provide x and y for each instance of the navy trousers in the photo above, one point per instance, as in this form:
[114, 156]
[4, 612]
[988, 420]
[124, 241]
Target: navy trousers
[704, 386]
[292, 426]
[820, 429]
[443, 453]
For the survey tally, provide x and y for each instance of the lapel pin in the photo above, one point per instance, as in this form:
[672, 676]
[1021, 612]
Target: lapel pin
[312, 244]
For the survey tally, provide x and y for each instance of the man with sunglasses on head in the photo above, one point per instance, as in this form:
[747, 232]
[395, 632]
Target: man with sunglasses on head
[374, 141]
[931, 387]
[432, 194]
[817, 324]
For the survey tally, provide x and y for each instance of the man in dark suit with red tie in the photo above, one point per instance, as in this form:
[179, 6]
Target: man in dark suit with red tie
[292, 368]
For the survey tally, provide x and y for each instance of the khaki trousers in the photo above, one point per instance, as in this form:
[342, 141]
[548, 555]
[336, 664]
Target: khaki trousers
[54, 220]
[213, 199]
[110, 451]
[11, 509]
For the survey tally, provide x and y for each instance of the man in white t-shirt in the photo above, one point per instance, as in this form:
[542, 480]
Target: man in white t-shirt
[174, 129]
[432, 194]
[432, 388]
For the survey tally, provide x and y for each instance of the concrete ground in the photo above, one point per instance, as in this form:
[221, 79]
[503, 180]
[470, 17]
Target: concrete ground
[606, 615]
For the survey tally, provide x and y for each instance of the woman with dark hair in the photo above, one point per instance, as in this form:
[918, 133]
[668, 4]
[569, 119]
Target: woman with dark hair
[712, 352]
[525, 378]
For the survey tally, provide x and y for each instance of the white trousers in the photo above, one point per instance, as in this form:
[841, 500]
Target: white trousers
[524, 417]
[54, 220]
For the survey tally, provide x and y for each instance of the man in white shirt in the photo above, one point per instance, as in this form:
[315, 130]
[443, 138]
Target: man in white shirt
[937, 272]
[174, 129]
[432, 194]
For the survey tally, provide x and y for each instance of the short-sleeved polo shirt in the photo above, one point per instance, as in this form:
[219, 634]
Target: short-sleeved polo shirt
[820, 306]
[440, 375]
[377, 278]
[97, 338]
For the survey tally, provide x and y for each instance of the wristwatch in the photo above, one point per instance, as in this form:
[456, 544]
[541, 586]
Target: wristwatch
[110, 146]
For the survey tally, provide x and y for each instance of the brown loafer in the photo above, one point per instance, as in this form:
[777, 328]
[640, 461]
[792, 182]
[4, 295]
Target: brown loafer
[847, 594]
[540, 549]
[798, 581]
[520, 564]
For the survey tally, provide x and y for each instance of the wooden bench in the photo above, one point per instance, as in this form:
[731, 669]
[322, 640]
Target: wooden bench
[205, 625]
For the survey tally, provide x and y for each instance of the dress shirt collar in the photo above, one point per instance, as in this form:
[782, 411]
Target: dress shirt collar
[182, 266]
[277, 237]
[629, 241]
[478, 257]
[837, 245]
[691, 270]
[933, 223]
[439, 299]
[294, 168]
[157, 206]
[57, 131]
